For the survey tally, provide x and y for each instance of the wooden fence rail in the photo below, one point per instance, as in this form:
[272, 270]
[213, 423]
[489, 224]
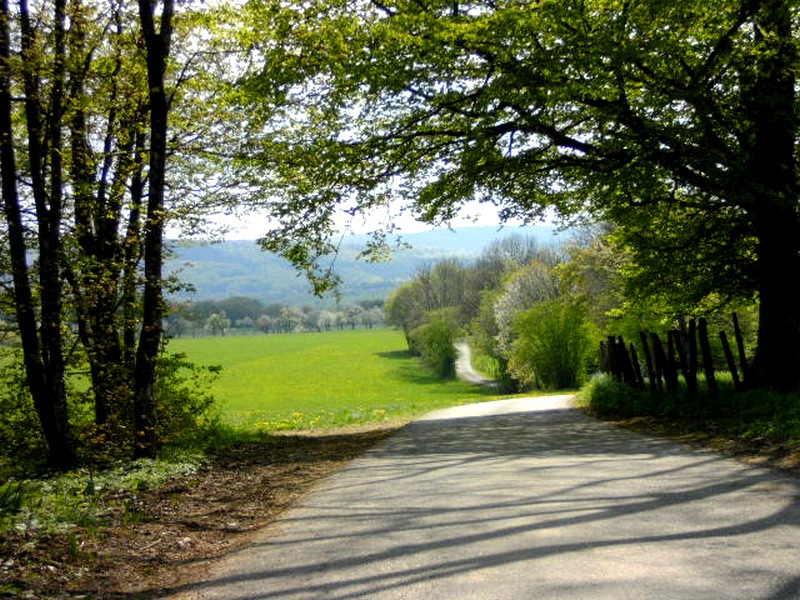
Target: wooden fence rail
[685, 352]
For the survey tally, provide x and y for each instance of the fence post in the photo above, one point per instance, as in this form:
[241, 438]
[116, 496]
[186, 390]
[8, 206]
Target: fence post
[605, 359]
[665, 363]
[637, 369]
[737, 332]
[678, 344]
[624, 362]
[726, 347]
[692, 358]
[708, 364]
[655, 382]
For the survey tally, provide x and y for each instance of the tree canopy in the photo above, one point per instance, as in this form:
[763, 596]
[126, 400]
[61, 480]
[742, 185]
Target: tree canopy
[675, 121]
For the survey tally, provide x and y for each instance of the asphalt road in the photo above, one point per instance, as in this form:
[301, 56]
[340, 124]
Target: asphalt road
[527, 499]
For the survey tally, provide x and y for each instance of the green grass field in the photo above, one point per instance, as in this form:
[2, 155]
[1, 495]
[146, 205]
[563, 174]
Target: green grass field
[319, 380]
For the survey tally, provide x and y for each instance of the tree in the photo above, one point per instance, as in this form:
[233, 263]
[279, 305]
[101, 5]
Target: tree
[435, 340]
[676, 121]
[266, 323]
[528, 285]
[218, 323]
[402, 309]
[157, 42]
[43, 358]
[86, 201]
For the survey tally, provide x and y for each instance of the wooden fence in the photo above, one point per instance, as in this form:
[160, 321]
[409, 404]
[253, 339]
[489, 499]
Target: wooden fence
[684, 353]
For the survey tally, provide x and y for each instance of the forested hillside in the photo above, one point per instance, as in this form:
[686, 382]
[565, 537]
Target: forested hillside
[241, 268]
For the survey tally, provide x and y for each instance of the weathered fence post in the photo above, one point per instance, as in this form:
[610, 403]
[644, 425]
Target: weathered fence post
[726, 348]
[737, 331]
[688, 376]
[637, 369]
[655, 382]
[665, 363]
[692, 381]
[708, 363]
[605, 358]
[625, 363]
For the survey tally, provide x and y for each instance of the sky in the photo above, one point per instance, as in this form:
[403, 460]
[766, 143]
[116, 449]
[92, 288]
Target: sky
[473, 214]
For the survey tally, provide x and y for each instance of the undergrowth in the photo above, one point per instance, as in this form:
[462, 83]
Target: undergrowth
[82, 498]
[759, 415]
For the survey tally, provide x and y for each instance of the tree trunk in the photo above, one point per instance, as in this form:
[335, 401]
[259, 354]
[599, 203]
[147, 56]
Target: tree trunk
[44, 365]
[157, 44]
[770, 99]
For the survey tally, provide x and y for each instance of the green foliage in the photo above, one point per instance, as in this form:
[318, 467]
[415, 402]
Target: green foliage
[606, 396]
[82, 498]
[553, 344]
[12, 494]
[21, 438]
[676, 121]
[184, 403]
[435, 339]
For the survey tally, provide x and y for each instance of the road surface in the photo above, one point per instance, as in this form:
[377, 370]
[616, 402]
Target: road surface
[527, 498]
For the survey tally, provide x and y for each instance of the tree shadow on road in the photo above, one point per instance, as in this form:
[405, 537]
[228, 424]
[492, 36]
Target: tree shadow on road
[496, 500]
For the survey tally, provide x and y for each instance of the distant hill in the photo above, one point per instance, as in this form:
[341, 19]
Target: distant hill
[241, 268]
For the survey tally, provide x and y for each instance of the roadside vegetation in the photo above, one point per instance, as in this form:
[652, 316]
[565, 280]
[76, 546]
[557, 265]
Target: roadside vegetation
[535, 317]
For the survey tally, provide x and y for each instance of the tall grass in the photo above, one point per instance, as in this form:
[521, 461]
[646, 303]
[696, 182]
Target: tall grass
[319, 380]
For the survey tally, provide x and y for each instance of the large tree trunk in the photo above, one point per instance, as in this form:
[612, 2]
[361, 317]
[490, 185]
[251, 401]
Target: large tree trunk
[157, 44]
[777, 359]
[772, 168]
[43, 357]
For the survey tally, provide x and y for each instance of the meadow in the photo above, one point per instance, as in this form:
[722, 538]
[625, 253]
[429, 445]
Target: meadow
[330, 379]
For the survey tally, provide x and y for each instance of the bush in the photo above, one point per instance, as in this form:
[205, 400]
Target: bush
[553, 343]
[434, 341]
[758, 416]
[183, 404]
[23, 445]
[606, 396]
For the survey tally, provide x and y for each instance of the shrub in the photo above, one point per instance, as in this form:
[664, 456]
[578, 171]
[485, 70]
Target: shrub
[23, 445]
[183, 404]
[552, 346]
[435, 339]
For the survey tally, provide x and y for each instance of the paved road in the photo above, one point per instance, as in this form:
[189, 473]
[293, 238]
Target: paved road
[464, 366]
[527, 499]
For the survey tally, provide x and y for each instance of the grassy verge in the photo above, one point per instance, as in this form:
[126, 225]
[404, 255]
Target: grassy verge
[761, 426]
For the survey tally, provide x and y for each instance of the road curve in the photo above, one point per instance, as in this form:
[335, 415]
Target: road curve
[464, 369]
[527, 499]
